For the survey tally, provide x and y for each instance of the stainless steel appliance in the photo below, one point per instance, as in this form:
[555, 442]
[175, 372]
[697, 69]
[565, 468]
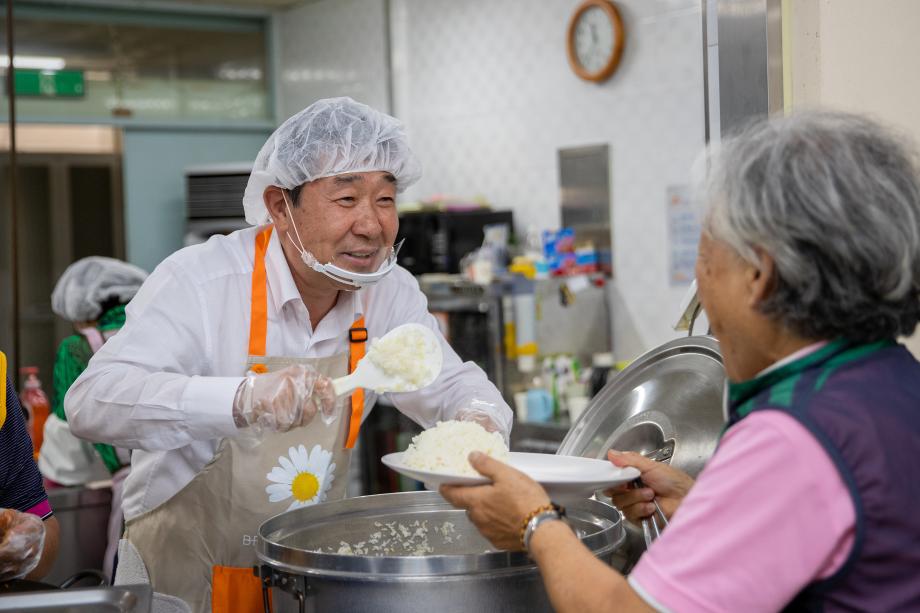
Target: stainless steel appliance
[584, 190]
[299, 549]
[83, 514]
[118, 599]
[668, 401]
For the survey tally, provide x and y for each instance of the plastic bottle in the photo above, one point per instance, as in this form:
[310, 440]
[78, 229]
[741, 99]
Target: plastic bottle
[601, 367]
[539, 402]
[35, 402]
[548, 372]
[525, 324]
[533, 250]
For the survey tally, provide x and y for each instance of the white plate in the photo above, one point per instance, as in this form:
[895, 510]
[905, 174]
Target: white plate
[563, 477]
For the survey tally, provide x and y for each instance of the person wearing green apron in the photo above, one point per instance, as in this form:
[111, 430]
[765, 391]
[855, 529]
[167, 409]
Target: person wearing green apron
[220, 379]
[91, 294]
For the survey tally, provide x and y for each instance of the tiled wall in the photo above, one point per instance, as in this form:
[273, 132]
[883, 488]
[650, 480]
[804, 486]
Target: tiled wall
[488, 97]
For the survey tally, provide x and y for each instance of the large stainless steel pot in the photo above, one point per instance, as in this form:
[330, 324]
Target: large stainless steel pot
[461, 572]
[669, 401]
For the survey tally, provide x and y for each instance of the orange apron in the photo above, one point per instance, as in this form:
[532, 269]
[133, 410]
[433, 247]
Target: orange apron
[198, 545]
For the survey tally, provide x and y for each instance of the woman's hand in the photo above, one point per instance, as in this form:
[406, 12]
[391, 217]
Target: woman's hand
[21, 538]
[498, 509]
[668, 485]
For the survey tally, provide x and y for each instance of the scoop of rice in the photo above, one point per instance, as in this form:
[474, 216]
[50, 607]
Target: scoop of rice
[402, 356]
[445, 447]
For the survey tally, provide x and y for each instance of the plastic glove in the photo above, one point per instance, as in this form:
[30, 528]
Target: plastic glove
[22, 536]
[482, 413]
[279, 401]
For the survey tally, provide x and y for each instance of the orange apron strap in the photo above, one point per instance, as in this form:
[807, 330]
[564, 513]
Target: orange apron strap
[236, 590]
[357, 339]
[258, 320]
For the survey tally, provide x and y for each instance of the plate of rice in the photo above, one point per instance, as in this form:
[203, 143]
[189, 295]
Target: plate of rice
[438, 456]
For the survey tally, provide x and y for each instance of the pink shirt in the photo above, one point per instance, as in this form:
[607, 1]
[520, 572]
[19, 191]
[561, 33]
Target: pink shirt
[768, 515]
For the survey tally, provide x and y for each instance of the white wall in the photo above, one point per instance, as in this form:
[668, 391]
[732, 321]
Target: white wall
[332, 48]
[488, 97]
[857, 56]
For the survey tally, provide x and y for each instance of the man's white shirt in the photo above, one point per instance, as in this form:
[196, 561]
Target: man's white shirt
[164, 384]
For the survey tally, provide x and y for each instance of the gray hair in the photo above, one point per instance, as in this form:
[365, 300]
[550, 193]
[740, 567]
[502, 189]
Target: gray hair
[834, 199]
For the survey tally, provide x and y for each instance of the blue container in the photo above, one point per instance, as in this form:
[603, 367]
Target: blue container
[539, 405]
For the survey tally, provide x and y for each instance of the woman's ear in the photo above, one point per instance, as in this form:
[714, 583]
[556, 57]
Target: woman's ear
[761, 278]
[274, 197]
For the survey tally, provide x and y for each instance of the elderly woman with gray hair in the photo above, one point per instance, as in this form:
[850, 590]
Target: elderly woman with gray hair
[808, 269]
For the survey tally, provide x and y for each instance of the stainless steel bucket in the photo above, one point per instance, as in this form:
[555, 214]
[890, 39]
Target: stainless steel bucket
[459, 571]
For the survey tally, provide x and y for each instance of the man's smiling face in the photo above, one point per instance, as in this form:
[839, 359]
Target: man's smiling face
[349, 220]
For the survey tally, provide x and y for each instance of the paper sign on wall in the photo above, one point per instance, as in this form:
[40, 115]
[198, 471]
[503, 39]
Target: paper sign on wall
[683, 234]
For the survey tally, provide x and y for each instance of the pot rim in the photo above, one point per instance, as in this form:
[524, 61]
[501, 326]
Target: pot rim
[294, 560]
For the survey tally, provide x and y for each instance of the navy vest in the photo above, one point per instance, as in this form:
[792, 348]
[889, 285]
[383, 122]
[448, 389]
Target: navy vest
[862, 403]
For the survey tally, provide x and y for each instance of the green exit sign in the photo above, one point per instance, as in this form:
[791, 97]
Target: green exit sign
[49, 83]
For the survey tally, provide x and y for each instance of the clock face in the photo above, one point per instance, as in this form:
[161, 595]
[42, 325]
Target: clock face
[594, 39]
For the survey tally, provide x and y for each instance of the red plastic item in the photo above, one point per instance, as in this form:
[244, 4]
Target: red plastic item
[35, 402]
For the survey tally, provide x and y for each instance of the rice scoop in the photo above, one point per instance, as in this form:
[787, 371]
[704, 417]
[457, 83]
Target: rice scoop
[402, 357]
[446, 447]
[406, 359]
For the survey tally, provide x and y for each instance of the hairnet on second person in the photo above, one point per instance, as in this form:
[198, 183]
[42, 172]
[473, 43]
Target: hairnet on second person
[330, 137]
[89, 282]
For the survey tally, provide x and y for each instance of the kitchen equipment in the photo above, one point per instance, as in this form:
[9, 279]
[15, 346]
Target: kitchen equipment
[668, 401]
[690, 309]
[538, 437]
[369, 376]
[438, 240]
[471, 320]
[565, 478]
[298, 554]
[650, 525]
[117, 599]
[586, 205]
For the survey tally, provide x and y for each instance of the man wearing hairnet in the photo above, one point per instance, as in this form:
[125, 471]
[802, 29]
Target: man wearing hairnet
[228, 349]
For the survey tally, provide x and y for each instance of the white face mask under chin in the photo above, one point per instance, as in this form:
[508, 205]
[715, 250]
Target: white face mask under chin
[336, 273]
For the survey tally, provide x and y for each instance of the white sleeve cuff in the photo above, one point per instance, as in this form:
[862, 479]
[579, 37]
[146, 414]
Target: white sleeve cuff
[644, 595]
[210, 401]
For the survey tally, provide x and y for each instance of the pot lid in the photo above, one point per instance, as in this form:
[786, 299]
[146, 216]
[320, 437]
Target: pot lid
[668, 401]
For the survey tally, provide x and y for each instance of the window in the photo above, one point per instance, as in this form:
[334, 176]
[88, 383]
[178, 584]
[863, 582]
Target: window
[143, 65]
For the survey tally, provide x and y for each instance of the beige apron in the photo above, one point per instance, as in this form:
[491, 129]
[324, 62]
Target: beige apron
[203, 537]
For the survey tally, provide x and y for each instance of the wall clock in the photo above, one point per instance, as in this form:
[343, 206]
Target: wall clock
[594, 40]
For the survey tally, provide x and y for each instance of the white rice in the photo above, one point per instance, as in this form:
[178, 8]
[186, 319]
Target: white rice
[445, 447]
[402, 356]
[398, 539]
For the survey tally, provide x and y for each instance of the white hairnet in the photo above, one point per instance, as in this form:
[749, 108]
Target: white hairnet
[88, 283]
[329, 137]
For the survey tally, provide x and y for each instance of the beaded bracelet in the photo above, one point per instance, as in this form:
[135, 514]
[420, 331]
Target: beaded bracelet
[552, 506]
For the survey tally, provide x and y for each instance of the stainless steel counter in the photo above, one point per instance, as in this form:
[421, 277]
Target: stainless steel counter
[83, 514]
[121, 599]
[538, 437]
